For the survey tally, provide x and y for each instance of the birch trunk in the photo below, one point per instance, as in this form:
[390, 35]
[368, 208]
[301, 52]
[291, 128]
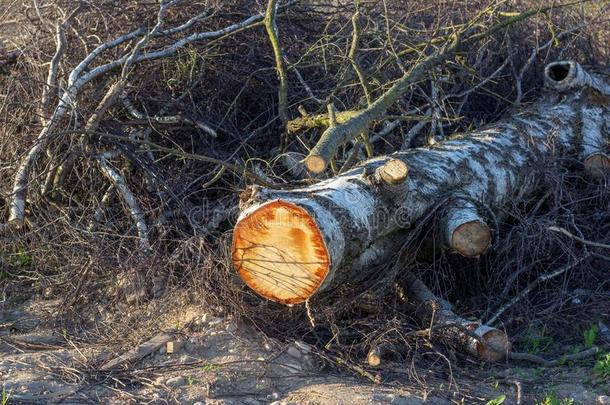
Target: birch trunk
[291, 244]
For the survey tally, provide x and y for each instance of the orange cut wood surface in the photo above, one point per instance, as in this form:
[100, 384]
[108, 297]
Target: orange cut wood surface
[279, 252]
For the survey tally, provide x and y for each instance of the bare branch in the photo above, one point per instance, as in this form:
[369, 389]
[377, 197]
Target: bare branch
[271, 28]
[579, 239]
[129, 198]
[60, 39]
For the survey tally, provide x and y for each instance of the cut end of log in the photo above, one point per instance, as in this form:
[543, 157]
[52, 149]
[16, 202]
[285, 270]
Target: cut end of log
[561, 70]
[598, 165]
[394, 172]
[374, 357]
[15, 224]
[471, 239]
[315, 164]
[496, 344]
[279, 252]
[561, 75]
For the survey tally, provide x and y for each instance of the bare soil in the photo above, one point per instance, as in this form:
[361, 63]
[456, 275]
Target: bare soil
[219, 361]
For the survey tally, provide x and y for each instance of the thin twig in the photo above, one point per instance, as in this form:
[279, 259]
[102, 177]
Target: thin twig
[235, 168]
[532, 285]
[353, 55]
[578, 238]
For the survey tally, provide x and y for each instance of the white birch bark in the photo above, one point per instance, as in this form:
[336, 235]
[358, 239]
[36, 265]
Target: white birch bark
[490, 167]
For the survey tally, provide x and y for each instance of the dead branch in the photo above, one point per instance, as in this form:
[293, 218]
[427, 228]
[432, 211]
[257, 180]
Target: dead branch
[78, 79]
[484, 342]
[272, 32]
[129, 198]
[578, 238]
[321, 154]
[532, 358]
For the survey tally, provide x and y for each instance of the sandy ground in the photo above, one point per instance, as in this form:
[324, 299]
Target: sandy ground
[217, 361]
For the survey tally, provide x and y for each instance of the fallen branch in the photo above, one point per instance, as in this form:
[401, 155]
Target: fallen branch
[78, 78]
[139, 352]
[471, 337]
[578, 238]
[60, 40]
[318, 121]
[532, 358]
[129, 198]
[164, 119]
[321, 154]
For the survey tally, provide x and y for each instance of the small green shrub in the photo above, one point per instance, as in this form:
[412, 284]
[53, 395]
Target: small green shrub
[590, 335]
[602, 367]
[551, 399]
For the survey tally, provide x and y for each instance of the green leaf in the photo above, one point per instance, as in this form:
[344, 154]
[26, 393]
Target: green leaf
[497, 401]
[590, 335]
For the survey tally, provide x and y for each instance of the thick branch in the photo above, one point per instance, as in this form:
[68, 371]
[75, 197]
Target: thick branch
[60, 40]
[129, 198]
[486, 343]
[318, 121]
[332, 138]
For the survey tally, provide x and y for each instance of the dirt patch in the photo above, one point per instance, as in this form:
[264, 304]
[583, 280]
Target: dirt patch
[217, 360]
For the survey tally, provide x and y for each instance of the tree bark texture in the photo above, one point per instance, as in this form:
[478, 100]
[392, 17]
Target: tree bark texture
[291, 244]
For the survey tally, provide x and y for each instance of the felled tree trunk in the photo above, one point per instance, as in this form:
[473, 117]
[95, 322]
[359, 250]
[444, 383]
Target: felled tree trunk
[289, 245]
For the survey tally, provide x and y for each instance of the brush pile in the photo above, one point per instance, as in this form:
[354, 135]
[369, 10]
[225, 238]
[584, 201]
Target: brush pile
[128, 133]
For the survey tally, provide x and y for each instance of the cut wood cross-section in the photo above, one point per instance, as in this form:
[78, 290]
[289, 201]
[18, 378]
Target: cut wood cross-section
[284, 242]
[291, 244]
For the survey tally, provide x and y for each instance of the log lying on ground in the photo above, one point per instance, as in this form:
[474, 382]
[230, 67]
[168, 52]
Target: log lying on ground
[442, 324]
[291, 244]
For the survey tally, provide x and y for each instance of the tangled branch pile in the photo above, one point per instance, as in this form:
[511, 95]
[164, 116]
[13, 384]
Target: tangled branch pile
[127, 133]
